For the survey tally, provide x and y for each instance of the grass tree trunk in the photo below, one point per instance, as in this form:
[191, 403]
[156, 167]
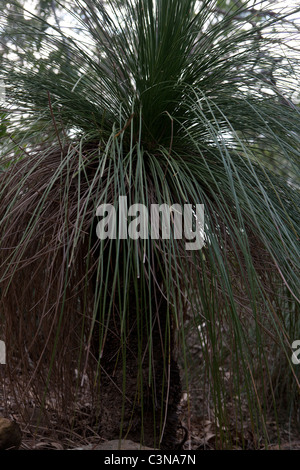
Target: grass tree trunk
[139, 380]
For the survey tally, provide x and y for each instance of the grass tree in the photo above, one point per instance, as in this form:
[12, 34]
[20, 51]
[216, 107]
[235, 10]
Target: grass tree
[161, 102]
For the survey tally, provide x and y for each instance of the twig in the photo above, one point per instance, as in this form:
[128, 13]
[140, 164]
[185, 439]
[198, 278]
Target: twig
[126, 125]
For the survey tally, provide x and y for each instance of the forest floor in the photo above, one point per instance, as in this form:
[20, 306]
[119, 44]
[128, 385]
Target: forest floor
[199, 429]
[198, 433]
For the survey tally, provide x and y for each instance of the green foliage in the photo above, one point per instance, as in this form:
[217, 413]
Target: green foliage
[163, 102]
[3, 125]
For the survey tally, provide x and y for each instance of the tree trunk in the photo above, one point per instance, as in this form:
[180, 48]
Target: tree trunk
[132, 406]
